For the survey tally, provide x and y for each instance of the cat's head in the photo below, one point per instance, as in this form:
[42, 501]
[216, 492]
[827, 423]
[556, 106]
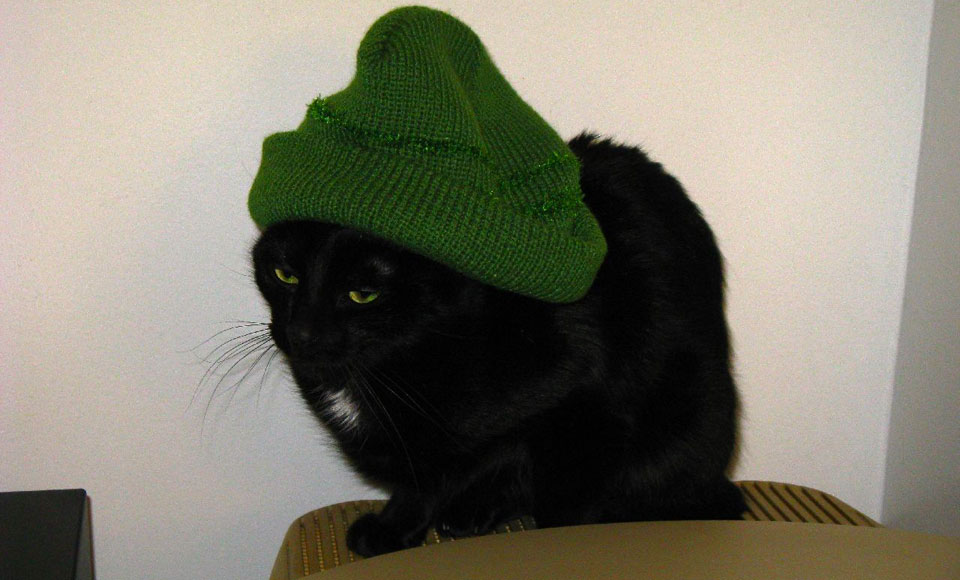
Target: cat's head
[340, 298]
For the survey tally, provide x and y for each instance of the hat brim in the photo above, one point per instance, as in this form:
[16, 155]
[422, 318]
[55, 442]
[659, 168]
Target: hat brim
[456, 221]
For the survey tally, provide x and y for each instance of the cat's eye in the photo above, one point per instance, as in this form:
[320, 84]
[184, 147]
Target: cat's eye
[363, 296]
[286, 277]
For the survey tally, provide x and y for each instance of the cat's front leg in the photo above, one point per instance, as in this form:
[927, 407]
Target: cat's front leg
[483, 504]
[402, 524]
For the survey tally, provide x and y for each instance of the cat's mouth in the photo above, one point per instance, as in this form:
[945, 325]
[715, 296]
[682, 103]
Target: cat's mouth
[313, 355]
[314, 363]
[312, 370]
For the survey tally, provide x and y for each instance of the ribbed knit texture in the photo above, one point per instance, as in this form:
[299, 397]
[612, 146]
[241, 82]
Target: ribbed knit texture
[430, 147]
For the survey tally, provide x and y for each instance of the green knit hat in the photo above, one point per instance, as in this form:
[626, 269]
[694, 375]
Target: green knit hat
[431, 148]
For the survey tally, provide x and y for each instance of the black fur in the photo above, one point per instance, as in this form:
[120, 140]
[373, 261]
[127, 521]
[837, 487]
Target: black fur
[474, 405]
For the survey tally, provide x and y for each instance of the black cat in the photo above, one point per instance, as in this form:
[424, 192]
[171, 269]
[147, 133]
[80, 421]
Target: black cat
[473, 405]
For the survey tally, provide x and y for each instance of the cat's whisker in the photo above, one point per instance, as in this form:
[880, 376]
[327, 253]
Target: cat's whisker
[362, 388]
[266, 369]
[233, 390]
[407, 397]
[399, 436]
[233, 351]
[255, 346]
[248, 275]
[216, 388]
[318, 388]
[237, 324]
[419, 399]
[234, 325]
[241, 322]
[410, 392]
[221, 359]
[248, 340]
[363, 443]
[227, 345]
[250, 348]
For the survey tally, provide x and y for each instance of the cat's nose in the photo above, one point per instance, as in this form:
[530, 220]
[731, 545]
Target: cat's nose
[301, 336]
[308, 339]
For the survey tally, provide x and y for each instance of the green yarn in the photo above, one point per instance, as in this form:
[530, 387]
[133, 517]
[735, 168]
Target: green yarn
[430, 147]
[553, 205]
[319, 110]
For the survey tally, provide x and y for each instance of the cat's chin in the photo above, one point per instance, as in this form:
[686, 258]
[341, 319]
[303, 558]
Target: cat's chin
[317, 374]
[320, 364]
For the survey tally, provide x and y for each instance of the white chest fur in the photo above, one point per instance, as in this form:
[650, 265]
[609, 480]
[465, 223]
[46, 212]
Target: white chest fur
[341, 409]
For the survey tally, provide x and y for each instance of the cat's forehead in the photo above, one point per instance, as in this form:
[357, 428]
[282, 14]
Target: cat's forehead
[337, 246]
[298, 235]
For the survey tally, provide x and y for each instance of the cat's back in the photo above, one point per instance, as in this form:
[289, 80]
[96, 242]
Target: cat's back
[649, 221]
[660, 247]
[660, 289]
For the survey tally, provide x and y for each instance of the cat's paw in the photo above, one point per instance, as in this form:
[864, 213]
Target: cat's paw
[462, 520]
[372, 536]
[369, 536]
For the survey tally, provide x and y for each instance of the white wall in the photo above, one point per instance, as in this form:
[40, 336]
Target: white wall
[130, 137]
[923, 461]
